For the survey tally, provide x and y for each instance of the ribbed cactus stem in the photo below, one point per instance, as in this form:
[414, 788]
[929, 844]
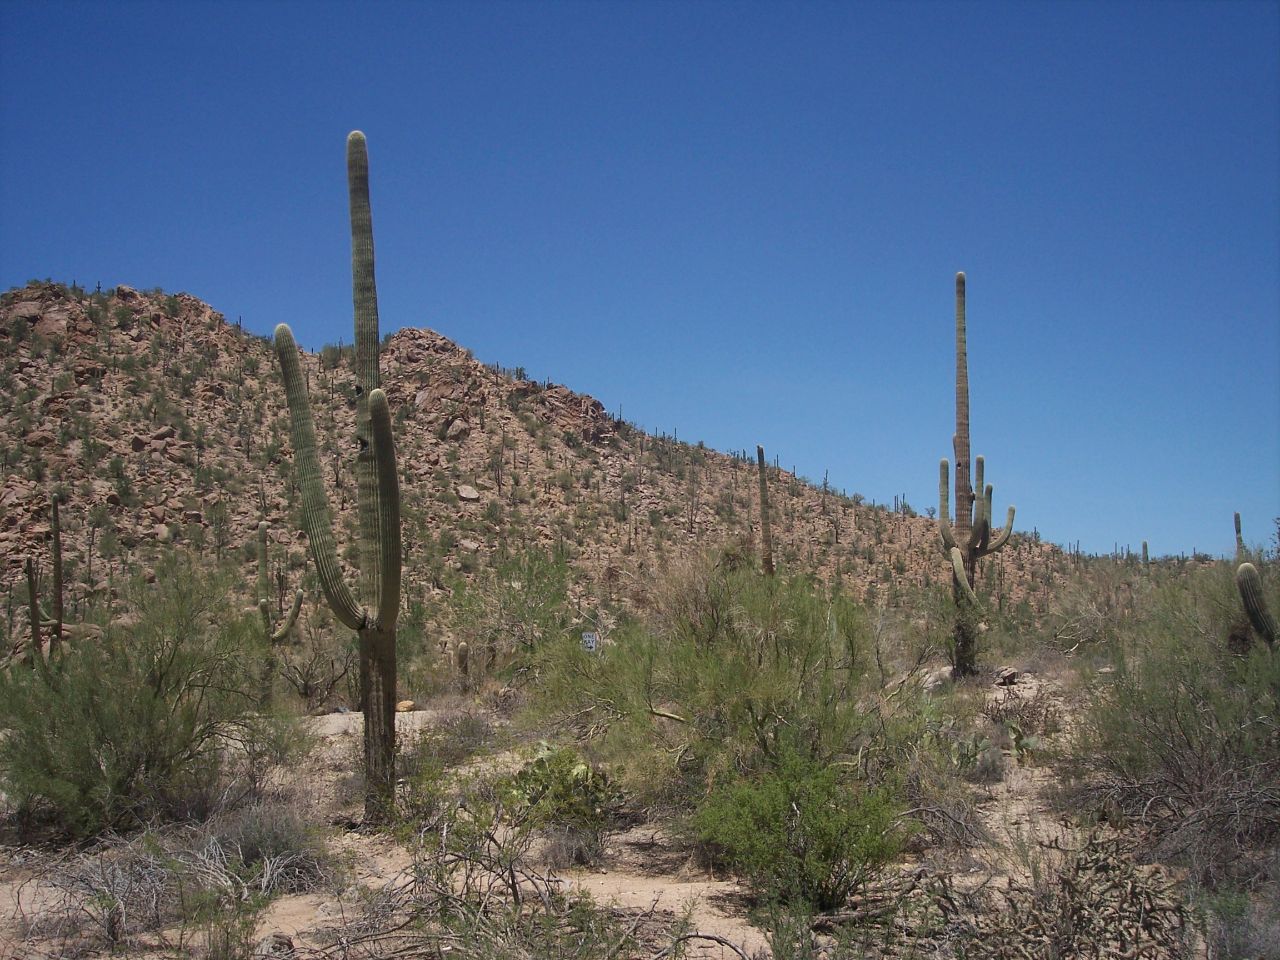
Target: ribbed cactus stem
[970, 536]
[1239, 536]
[264, 586]
[962, 581]
[766, 534]
[290, 618]
[944, 505]
[316, 519]
[387, 535]
[463, 657]
[1249, 583]
[378, 500]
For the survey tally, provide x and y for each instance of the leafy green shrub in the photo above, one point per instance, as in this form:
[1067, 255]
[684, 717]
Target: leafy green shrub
[797, 833]
[149, 722]
[728, 665]
[514, 609]
[1185, 735]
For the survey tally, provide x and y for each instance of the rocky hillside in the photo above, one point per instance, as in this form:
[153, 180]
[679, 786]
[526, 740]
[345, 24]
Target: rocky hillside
[159, 422]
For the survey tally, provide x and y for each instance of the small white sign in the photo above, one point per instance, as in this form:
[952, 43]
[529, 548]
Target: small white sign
[589, 640]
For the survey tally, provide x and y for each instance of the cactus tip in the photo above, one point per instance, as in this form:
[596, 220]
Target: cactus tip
[355, 136]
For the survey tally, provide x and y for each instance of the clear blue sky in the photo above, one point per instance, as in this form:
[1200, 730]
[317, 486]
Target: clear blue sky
[740, 220]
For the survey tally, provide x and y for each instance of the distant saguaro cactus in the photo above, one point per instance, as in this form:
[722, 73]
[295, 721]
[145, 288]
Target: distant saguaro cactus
[378, 501]
[766, 535]
[1249, 583]
[970, 537]
[1239, 538]
[58, 612]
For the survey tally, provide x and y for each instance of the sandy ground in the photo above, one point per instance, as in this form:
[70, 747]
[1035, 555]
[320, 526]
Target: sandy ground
[643, 866]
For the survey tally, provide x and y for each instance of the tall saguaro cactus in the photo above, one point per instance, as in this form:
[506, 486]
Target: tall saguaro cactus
[766, 534]
[378, 493]
[970, 537]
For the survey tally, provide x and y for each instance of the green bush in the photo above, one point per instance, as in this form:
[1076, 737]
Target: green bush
[728, 664]
[1185, 734]
[798, 834]
[149, 722]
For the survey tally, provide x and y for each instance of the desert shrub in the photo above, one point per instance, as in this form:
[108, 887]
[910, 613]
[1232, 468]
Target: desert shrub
[149, 722]
[271, 843]
[565, 799]
[727, 664]
[512, 610]
[1185, 736]
[213, 877]
[798, 833]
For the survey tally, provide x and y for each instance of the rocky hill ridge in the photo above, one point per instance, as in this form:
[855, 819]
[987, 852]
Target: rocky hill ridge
[160, 422]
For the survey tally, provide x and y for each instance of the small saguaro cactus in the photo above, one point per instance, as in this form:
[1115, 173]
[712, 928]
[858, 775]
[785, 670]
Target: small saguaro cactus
[1249, 583]
[970, 537]
[1239, 538]
[462, 653]
[766, 535]
[273, 634]
[378, 501]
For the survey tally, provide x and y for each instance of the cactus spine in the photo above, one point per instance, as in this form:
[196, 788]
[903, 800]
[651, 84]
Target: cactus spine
[378, 494]
[1249, 583]
[970, 537]
[766, 535]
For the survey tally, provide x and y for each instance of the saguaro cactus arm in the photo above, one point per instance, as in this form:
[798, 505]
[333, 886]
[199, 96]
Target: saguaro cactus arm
[957, 567]
[388, 537]
[264, 588]
[316, 520]
[1002, 536]
[944, 505]
[1249, 583]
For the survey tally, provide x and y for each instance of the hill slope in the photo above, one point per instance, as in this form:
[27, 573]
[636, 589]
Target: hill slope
[160, 422]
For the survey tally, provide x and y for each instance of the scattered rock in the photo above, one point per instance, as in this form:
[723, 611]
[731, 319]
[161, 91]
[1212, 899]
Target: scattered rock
[1007, 677]
[273, 945]
[406, 706]
[931, 681]
[458, 430]
[467, 493]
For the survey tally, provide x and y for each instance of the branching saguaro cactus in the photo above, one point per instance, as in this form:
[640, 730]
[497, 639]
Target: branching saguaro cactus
[378, 502]
[766, 534]
[970, 537]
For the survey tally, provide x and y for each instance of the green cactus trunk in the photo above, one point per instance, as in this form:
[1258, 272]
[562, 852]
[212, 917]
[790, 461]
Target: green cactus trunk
[378, 502]
[1249, 583]
[970, 537]
[766, 534]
